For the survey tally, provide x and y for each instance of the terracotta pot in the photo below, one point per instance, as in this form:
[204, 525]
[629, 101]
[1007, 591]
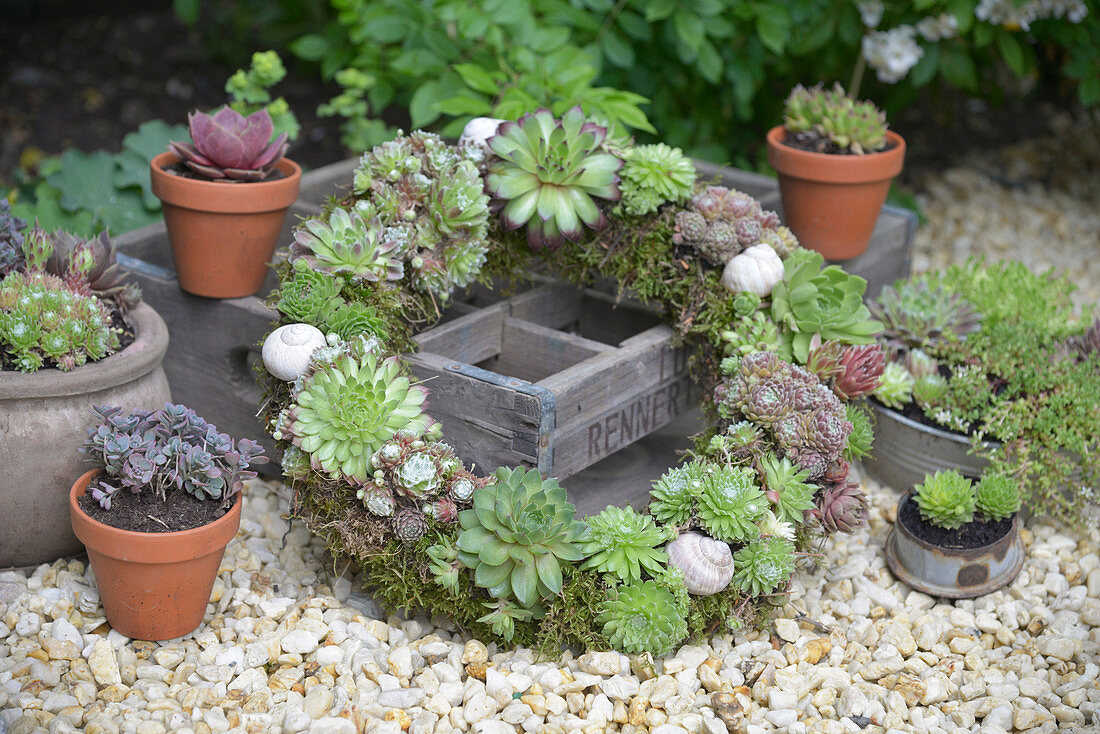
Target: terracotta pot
[223, 234]
[953, 573]
[831, 202]
[154, 586]
[44, 418]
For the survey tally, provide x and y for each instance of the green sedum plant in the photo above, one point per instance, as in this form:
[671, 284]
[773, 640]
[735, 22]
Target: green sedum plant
[548, 172]
[946, 499]
[997, 496]
[643, 617]
[834, 122]
[519, 532]
[623, 543]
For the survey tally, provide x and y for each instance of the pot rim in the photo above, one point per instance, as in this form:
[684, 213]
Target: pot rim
[224, 197]
[900, 527]
[169, 547]
[135, 361]
[943, 433]
[834, 168]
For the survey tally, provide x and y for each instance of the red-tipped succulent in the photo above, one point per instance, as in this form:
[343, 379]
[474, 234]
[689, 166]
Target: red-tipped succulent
[861, 371]
[231, 147]
[843, 507]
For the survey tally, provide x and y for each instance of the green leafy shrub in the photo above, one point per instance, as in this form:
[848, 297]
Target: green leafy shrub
[946, 499]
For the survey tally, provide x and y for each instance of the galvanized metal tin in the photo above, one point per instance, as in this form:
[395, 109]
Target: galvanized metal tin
[906, 450]
[954, 573]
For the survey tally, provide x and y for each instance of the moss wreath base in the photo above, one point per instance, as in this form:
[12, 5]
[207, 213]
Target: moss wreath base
[780, 344]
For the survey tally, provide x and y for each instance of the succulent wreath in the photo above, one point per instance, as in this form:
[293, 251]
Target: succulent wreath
[780, 344]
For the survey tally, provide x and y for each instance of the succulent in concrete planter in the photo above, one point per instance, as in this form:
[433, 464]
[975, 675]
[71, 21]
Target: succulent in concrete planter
[225, 196]
[835, 160]
[157, 514]
[71, 335]
[957, 539]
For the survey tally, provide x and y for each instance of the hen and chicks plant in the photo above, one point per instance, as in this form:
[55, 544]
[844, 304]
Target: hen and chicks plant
[548, 173]
[834, 122]
[518, 534]
[624, 544]
[227, 146]
[654, 175]
[171, 448]
[722, 222]
[429, 201]
[946, 499]
[643, 617]
[344, 243]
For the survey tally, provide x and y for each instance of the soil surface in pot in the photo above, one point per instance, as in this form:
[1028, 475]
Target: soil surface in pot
[972, 535]
[811, 142]
[146, 513]
[913, 412]
[181, 170]
[126, 337]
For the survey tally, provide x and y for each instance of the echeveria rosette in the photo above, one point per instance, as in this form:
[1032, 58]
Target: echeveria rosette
[786, 488]
[309, 296]
[344, 243]
[730, 503]
[546, 175]
[915, 315]
[827, 302]
[519, 532]
[673, 494]
[762, 566]
[417, 476]
[997, 496]
[643, 617]
[347, 409]
[654, 175]
[946, 499]
[623, 543]
[227, 146]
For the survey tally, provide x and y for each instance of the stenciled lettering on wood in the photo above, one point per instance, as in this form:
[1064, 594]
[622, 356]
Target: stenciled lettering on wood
[648, 412]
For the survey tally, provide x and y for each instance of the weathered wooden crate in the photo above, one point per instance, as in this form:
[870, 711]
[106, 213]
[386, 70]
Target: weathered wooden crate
[554, 377]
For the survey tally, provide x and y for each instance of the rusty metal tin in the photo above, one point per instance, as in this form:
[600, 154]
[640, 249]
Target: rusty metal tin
[954, 573]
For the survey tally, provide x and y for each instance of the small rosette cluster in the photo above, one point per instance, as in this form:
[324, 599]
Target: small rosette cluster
[416, 482]
[949, 500]
[834, 122]
[721, 223]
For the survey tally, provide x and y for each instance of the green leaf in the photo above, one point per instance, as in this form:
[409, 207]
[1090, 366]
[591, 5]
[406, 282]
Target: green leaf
[709, 63]
[465, 103]
[660, 9]
[925, 69]
[690, 29]
[50, 216]
[186, 10]
[525, 584]
[958, 69]
[773, 26]
[423, 107]
[813, 38]
[617, 50]
[1011, 52]
[478, 78]
[310, 47]
[387, 29]
[1089, 91]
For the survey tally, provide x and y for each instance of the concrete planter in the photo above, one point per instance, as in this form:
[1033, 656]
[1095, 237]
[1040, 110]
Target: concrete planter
[953, 573]
[44, 417]
[906, 450]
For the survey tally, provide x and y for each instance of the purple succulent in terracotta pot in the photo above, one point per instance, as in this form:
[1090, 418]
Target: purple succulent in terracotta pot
[231, 147]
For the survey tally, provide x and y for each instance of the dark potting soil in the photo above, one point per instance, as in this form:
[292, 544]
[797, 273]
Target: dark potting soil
[814, 143]
[972, 535]
[179, 169]
[146, 513]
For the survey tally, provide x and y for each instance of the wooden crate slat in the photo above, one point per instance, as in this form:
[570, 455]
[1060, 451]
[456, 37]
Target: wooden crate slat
[532, 352]
[472, 338]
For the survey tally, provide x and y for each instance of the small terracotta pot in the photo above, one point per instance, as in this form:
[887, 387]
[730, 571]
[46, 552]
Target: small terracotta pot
[154, 586]
[831, 202]
[223, 234]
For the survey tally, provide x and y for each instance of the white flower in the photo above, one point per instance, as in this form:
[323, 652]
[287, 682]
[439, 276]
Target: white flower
[943, 26]
[870, 11]
[892, 53]
[1007, 13]
[769, 524]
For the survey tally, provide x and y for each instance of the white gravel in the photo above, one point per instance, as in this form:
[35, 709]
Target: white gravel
[281, 650]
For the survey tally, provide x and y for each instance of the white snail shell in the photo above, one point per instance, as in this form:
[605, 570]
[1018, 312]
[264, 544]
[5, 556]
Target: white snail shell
[287, 350]
[707, 563]
[479, 130]
[756, 270]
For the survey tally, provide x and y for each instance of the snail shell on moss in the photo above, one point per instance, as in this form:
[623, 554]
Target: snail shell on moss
[707, 563]
[756, 270]
[287, 350]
